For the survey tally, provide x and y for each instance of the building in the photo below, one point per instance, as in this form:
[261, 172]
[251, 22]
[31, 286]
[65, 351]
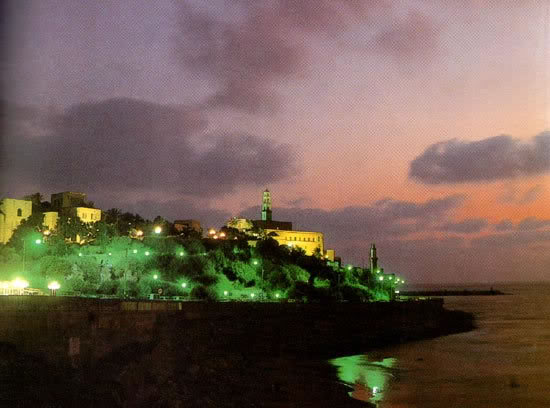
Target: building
[67, 199]
[74, 204]
[85, 214]
[12, 212]
[309, 241]
[50, 220]
[187, 225]
[267, 222]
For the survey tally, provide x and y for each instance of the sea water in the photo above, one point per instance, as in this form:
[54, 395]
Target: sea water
[505, 362]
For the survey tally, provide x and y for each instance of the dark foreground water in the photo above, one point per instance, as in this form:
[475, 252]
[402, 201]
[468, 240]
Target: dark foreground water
[503, 363]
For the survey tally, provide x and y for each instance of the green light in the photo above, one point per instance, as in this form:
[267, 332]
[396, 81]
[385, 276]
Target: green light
[110, 254]
[277, 295]
[158, 230]
[350, 267]
[377, 270]
[184, 285]
[147, 253]
[38, 241]
[402, 281]
[80, 254]
[155, 276]
[181, 253]
[225, 293]
[391, 277]
[255, 262]
[252, 295]
[381, 278]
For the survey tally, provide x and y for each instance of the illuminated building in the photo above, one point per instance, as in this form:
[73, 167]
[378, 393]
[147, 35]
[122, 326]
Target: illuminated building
[50, 220]
[12, 212]
[74, 204]
[281, 231]
[309, 241]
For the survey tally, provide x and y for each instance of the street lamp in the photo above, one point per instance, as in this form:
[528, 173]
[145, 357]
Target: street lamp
[158, 229]
[53, 286]
[155, 276]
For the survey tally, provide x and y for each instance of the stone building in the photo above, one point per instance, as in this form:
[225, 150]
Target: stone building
[12, 212]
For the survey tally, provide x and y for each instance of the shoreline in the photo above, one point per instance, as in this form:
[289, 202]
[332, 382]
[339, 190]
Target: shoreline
[216, 354]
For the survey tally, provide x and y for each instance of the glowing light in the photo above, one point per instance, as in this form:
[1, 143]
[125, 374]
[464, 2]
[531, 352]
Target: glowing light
[211, 231]
[54, 285]
[155, 276]
[181, 253]
[184, 285]
[110, 254]
[80, 254]
[391, 277]
[135, 251]
[255, 262]
[222, 234]
[158, 229]
[349, 267]
[252, 295]
[225, 293]
[377, 270]
[396, 291]
[215, 237]
[139, 233]
[20, 283]
[47, 232]
[381, 278]
[147, 253]
[375, 390]
[38, 241]
[277, 295]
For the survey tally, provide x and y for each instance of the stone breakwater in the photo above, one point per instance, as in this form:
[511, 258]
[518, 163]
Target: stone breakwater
[154, 353]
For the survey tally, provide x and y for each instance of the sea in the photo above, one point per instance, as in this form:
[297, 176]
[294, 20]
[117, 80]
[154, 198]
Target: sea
[505, 362]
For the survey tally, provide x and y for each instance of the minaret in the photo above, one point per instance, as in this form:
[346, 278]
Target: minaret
[373, 259]
[266, 206]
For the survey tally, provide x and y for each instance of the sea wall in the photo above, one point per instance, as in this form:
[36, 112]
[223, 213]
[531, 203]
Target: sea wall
[187, 348]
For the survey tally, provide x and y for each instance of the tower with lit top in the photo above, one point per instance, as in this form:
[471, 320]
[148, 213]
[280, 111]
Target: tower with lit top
[266, 206]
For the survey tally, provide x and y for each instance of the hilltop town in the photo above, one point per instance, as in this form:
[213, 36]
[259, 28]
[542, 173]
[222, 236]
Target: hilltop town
[68, 246]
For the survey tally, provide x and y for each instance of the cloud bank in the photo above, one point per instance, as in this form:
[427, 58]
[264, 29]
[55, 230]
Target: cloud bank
[495, 158]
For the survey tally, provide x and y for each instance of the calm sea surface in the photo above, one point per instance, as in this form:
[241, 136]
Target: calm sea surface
[503, 363]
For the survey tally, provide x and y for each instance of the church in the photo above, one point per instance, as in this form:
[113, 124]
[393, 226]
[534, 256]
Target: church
[282, 231]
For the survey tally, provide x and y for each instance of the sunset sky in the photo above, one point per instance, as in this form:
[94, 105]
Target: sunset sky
[421, 125]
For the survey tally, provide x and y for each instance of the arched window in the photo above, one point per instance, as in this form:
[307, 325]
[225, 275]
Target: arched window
[19, 212]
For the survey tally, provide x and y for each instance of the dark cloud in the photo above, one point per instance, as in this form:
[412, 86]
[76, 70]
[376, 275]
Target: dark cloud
[467, 226]
[504, 225]
[514, 197]
[406, 39]
[128, 145]
[532, 223]
[495, 158]
[261, 42]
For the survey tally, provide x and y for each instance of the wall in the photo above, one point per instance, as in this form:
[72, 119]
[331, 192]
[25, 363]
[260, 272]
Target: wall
[309, 241]
[9, 220]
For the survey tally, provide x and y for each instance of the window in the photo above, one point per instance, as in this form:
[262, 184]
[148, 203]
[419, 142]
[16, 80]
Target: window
[19, 212]
[84, 215]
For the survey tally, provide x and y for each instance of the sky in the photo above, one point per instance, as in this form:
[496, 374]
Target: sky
[420, 125]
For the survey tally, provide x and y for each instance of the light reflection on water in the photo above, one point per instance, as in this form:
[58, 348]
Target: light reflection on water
[505, 362]
[368, 376]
